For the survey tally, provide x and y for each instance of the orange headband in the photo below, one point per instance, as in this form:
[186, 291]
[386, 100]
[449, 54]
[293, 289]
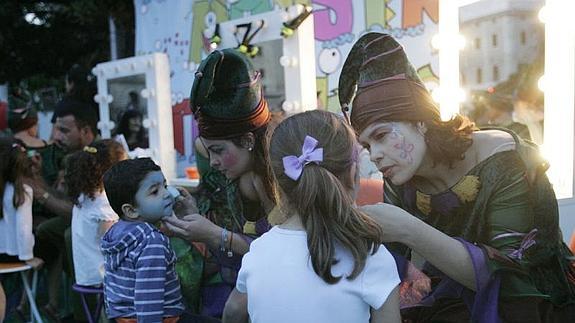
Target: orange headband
[220, 128]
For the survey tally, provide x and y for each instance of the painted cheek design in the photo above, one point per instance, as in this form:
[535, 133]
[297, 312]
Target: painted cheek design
[405, 148]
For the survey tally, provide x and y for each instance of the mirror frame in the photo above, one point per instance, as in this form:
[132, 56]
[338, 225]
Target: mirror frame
[297, 60]
[156, 69]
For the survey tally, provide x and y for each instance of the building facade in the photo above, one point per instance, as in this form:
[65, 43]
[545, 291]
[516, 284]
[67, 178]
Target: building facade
[500, 36]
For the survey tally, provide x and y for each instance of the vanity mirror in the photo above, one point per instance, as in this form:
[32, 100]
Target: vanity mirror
[135, 107]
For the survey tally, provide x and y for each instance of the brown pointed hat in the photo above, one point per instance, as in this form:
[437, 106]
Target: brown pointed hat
[226, 97]
[383, 84]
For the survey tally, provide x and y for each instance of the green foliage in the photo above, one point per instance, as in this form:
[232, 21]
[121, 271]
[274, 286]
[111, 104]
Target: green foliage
[65, 33]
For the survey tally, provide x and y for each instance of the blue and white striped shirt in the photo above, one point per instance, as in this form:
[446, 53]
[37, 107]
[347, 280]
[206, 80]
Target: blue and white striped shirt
[140, 279]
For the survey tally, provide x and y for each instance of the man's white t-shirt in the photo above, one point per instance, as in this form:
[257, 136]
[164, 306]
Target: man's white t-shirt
[278, 277]
[86, 236]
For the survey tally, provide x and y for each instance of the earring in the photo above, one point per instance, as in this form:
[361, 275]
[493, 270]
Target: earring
[250, 148]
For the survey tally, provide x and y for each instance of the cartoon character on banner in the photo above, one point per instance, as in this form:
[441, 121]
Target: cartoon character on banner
[243, 8]
[207, 14]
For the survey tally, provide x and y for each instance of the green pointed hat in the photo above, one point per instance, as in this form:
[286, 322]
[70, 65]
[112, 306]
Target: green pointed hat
[226, 97]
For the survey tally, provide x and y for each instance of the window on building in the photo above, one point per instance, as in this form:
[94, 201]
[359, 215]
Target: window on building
[479, 76]
[477, 43]
[495, 73]
[523, 38]
[494, 40]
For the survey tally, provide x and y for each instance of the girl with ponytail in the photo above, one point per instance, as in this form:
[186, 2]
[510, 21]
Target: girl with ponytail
[92, 214]
[325, 262]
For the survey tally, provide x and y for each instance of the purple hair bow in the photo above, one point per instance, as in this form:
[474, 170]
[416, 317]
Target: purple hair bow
[293, 165]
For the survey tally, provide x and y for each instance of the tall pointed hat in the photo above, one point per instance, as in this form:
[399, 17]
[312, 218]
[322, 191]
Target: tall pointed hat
[226, 97]
[379, 84]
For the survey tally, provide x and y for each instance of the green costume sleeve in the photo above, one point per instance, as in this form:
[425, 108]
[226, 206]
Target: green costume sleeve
[510, 224]
[509, 211]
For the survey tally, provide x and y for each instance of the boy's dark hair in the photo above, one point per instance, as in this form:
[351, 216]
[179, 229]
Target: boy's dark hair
[122, 181]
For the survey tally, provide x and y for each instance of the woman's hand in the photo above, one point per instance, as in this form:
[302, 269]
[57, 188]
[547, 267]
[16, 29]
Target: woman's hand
[194, 228]
[396, 223]
[185, 204]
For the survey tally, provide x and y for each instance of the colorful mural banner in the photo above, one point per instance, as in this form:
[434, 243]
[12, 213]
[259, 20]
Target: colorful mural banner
[183, 29]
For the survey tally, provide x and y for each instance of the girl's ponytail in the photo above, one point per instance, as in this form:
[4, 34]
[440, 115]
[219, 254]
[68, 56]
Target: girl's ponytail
[326, 210]
[318, 190]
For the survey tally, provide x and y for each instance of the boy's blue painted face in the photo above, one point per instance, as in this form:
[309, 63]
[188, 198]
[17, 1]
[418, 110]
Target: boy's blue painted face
[153, 200]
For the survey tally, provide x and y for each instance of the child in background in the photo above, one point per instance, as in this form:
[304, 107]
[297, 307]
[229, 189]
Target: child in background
[92, 214]
[140, 283]
[325, 263]
[16, 238]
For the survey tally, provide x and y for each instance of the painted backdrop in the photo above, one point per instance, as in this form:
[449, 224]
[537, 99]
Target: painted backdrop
[182, 29]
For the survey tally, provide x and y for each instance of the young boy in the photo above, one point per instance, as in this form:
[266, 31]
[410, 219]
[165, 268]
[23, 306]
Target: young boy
[140, 281]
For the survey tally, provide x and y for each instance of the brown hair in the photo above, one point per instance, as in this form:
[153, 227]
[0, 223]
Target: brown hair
[321, 197]
[85, 168]
[15, 167]
[261, 166]
[447, 141]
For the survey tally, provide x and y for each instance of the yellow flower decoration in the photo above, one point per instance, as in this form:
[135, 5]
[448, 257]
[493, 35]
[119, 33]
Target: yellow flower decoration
[250, 227]
[467, 189]
[423, 202]
[90, 150]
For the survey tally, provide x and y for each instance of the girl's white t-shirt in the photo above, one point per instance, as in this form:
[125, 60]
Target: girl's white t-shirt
[16, 238]
[278, 277]
[86, 234]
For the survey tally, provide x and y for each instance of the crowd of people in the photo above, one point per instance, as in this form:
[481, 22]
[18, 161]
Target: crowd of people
[274, 231]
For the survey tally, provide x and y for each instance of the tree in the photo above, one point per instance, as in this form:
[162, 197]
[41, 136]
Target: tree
[40, 40]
